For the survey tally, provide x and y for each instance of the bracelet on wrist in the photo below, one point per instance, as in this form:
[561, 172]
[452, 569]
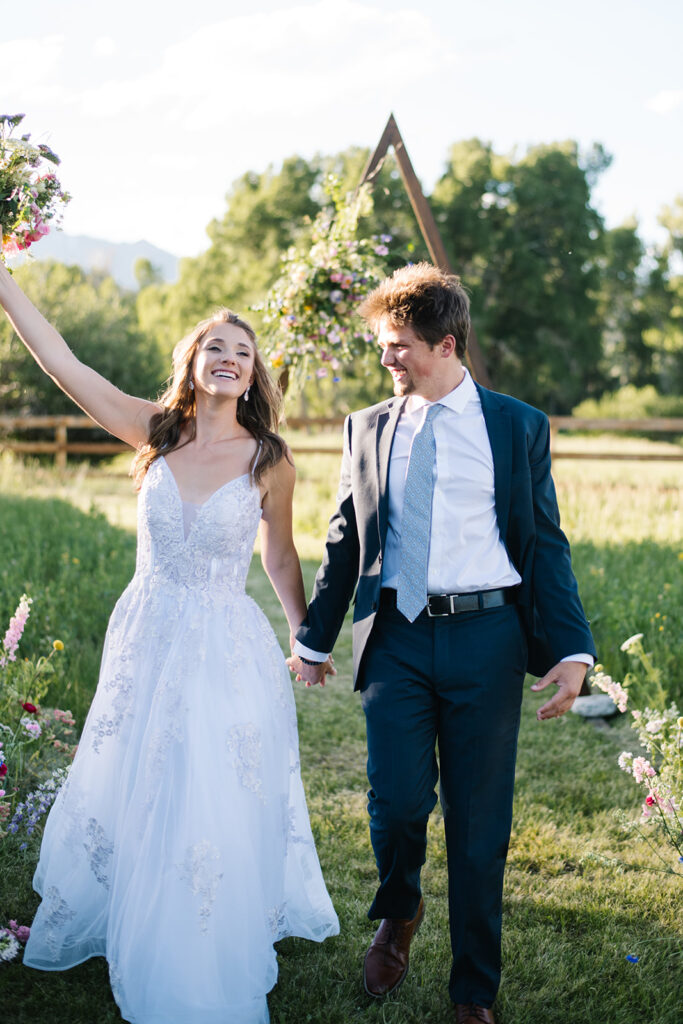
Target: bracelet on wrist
[307, 661]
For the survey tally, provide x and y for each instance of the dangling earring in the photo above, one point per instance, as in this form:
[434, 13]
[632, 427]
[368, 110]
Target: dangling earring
[246, 394]
[191, 385]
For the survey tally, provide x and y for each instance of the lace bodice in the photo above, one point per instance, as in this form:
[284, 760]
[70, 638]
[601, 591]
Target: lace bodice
[214, 557]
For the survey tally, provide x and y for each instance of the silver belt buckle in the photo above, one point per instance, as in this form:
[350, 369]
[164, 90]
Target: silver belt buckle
[441, 615]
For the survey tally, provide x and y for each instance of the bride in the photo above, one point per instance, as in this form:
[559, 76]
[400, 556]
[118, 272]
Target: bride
[180, 847]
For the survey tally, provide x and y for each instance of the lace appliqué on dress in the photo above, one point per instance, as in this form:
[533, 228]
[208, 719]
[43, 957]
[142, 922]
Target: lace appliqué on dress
[57, 913]
[99, 851]
[200, 870]
[244, 741]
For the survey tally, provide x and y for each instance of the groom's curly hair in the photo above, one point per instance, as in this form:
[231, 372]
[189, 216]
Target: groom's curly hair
[429, 300]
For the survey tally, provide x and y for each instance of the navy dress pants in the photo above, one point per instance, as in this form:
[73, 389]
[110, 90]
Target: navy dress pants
[456, 683]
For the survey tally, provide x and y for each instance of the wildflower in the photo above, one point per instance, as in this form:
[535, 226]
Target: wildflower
[58, 645]
[3, 770]
[679, 723]
[20, 931]
[31, 708]
[650, 800]
[631, 641]
[625, 761]
[9, 947]
[655, 726]
[642, 769]
[613, 689]
[15, 630]
[632, 959]
[32, 727]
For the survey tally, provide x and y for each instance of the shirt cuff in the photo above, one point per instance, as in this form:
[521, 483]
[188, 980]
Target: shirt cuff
[306, 652]
[587, 659]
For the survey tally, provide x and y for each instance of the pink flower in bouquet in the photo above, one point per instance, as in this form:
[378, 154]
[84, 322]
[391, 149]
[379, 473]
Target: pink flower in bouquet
[10, 246]
[40, 229]
[20, 931]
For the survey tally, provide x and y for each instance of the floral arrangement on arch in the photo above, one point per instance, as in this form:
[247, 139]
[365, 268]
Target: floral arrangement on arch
[310, 324]
[30, 192]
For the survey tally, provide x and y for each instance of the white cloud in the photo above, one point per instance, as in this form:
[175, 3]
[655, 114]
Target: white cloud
[105, 46]
[32, 62]
[666, 101]
[261, 66]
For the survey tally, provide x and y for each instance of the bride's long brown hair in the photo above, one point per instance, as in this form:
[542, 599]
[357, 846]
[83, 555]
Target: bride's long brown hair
[260, 414]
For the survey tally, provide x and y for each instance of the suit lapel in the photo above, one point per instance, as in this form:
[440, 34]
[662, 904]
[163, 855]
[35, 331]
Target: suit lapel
[499, 429]
[386, 428]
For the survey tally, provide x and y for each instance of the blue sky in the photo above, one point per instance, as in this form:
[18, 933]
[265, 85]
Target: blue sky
[156, 108]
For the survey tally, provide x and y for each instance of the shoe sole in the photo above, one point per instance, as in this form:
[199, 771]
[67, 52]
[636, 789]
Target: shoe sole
[390, 991]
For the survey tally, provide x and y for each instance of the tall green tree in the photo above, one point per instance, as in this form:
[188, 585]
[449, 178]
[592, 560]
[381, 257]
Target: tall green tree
[525, 239]
[664, 305]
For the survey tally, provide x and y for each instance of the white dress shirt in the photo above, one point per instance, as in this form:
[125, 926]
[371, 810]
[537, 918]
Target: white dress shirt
[466, 552]
[465, 549]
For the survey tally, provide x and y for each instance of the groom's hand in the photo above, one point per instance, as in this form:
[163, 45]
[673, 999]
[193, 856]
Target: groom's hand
[568, 677]
[312, 674]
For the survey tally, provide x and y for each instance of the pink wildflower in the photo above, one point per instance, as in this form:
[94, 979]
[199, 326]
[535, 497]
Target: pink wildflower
[15, 630]
[642, 769]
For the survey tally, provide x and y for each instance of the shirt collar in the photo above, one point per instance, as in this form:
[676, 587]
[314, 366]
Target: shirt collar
[455, 400]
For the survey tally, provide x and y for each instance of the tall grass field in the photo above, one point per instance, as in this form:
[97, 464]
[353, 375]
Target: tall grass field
[580, 896]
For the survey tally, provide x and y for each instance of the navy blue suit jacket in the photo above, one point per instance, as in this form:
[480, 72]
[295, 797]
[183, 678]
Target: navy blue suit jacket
[528, 520]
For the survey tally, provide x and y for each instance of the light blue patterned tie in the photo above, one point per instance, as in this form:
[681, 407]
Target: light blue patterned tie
[411, 592]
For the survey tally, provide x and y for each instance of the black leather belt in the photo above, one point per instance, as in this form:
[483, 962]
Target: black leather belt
[440, 605]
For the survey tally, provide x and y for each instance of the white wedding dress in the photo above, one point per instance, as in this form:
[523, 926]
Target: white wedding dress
[179, 846]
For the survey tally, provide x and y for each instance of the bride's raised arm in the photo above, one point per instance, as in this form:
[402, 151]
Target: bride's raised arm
[122, 415]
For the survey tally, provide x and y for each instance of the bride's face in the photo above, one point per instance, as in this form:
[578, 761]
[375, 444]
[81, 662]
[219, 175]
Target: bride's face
[224, 361]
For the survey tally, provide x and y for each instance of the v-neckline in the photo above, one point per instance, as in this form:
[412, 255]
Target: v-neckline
[201, 505]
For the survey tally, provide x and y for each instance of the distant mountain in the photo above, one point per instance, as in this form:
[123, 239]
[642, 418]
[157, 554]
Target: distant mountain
[114, 258]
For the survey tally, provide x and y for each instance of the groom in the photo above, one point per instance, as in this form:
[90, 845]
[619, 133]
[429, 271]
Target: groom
[447, 529]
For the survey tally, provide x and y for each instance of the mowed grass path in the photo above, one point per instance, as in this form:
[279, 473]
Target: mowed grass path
[570, 921]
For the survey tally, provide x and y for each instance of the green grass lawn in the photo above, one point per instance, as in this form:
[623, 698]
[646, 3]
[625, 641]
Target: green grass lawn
[571, 918]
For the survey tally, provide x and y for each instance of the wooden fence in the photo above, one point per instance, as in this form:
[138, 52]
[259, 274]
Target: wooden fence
[61, 447]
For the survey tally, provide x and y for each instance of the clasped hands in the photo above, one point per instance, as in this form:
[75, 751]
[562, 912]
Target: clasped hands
[312, 675]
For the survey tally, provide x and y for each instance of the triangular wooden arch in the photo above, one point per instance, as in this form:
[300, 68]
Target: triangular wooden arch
[391, 136]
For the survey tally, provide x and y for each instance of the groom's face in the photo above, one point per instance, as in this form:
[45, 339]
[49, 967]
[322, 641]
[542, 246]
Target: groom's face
[415, 368]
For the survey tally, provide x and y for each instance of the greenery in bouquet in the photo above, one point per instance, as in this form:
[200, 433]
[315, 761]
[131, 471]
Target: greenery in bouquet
[310, 325]
[36, 743]
[658, 772]
[30, 192]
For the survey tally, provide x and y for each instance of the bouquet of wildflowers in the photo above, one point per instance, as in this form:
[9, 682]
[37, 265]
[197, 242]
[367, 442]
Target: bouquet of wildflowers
[30, 192]
[310, 325]
[34, 742]
[12, 939]
[660, 733]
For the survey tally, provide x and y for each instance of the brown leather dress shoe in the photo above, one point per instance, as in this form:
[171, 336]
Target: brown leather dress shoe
[386, 962]
[470, 1013]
